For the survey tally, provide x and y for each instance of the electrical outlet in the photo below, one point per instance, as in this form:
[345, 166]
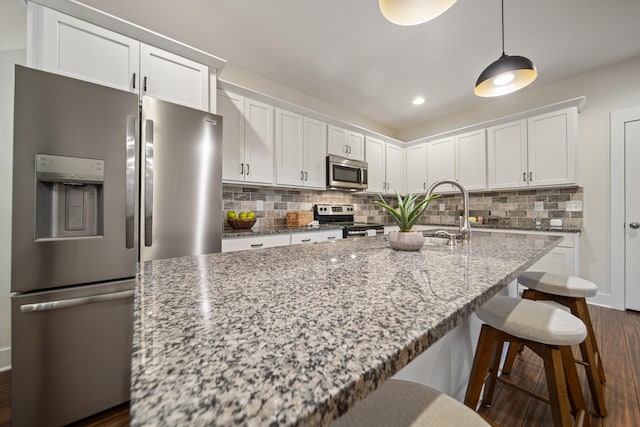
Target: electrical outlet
[538, 206]
[259, 205]
[441, 206]
[574, 206]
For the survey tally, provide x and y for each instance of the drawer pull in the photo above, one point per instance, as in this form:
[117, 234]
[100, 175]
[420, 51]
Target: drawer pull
[257, 245]
[305, 240]
[331, 237]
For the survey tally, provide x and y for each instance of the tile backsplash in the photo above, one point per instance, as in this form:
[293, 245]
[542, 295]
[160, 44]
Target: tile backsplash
[517, 207]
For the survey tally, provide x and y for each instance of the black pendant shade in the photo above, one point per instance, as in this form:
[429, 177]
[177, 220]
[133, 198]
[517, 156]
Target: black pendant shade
[505, 75]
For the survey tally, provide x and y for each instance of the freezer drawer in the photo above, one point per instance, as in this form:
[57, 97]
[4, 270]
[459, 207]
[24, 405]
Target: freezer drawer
[71, 352]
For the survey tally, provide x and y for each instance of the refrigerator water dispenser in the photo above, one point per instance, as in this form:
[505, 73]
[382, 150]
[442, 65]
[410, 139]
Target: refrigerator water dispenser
[69, 197]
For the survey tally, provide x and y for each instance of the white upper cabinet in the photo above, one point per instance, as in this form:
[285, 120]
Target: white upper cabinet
[345, 143]
[507, 155]
[471, 160]
[66, 45]
[539, 151]
[300, 150]
[247, 139]
[173, 78]
[416, 170]
[315, 154]
[377, 182]
[441, 163]
[258, 141]
[395, 167]
[231, 108]
[552, 148]
[385, 163]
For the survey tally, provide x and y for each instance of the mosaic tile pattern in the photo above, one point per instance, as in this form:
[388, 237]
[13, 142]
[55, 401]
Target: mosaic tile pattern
[296, 335]
[515, 208]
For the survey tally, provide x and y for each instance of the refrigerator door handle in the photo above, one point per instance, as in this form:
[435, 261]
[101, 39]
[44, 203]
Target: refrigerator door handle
[148, 184]
[73, 302]
[130, 182]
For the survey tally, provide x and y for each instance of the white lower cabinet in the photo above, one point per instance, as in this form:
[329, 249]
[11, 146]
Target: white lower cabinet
[232, 244]
[315, 236]
[563, 259]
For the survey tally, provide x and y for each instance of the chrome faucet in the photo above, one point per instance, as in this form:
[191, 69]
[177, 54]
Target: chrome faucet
[465, 228]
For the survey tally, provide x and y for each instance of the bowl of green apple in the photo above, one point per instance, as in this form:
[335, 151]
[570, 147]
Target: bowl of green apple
[242, 220]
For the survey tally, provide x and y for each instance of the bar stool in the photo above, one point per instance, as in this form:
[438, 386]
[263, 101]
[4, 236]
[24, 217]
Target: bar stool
[404, 403]
[570, 291]
[547, 331]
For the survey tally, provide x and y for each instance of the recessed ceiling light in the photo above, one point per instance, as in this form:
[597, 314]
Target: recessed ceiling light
[418, 100]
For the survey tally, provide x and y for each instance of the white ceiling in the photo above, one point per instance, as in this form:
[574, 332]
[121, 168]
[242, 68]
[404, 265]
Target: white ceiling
[345, 53]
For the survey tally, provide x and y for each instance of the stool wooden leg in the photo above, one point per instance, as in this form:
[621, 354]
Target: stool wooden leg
[576, 398]
[591, 356]
[480, 367]
[556, 383]
[489, 388]
[582, 311]
[514, 349]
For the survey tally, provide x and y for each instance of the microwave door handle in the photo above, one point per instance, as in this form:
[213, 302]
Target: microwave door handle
[148, 184]
[130, 182]
[360, 176]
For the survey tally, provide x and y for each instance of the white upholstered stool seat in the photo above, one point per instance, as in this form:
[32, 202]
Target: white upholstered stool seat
[558, 284]
[533, 321]
[404, 403]
[549, 332]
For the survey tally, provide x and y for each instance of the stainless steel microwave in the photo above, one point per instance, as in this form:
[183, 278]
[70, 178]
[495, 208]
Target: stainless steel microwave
[346, 174]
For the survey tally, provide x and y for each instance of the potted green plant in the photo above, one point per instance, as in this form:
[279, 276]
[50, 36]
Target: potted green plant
[405, 216]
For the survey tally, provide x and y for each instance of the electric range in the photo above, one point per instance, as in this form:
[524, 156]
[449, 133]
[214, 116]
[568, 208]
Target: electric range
[343, 215]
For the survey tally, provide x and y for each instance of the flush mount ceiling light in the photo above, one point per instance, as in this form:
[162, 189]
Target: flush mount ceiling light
[418, 100]
[413, 12]
[506, 75]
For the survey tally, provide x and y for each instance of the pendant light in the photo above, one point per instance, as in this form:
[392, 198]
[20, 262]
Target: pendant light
[507, 74]
[413, 12]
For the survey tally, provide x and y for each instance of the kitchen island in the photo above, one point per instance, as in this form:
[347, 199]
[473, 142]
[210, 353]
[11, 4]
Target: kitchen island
[296, 335]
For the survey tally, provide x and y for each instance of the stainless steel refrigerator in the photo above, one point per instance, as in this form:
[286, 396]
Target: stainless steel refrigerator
[101, 180]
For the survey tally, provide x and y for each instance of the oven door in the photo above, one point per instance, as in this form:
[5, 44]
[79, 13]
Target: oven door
[346, 174]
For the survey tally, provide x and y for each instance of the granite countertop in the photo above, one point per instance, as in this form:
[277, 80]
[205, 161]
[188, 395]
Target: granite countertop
[295, 335]
[278, 229]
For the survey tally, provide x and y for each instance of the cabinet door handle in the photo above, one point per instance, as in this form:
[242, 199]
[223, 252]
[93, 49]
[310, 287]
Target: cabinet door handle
[424, 185]
[144, 84]
[134, 80]
[305, 240]
[635, 225]
[301, 175]
[524, 176]
[241, 168]
[247, 169]
[349, 149]
[306, 176]
[530, 176]
[257, 245]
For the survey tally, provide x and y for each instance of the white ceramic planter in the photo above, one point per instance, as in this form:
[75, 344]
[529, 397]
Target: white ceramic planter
[406, 240]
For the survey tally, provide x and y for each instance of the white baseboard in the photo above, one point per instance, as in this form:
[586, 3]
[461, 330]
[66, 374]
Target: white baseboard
[605, 300]
[5, 359]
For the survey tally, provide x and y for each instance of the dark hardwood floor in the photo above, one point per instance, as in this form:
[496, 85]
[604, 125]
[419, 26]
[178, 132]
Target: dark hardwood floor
[618, 334]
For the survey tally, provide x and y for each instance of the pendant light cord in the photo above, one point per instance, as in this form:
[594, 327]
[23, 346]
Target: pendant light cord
[502, 27]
